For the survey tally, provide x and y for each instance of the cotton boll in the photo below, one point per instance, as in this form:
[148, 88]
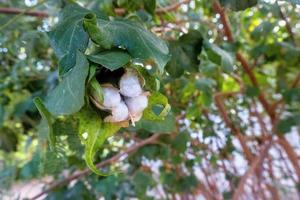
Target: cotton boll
[136, 118]
[136, 105]
[119, 113]
[112, 97]
[130, 85]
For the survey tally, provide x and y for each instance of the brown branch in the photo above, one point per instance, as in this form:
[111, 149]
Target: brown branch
[201, 189]
[292, 155]
[218, 9]
[287, 26]
[118, 11]
[236, 131]
[14, 11]
[255, 164]
[81, 173]
[246, 66]
[296, 82]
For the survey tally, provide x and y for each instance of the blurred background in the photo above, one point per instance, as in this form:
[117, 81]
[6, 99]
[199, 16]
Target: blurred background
[233, 83]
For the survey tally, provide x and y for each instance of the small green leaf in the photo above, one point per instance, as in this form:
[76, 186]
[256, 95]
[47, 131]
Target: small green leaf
[68, 97]
[111, 60]
[180, 142]
[205, 86]
[220, 57]
[142, 182]
[154, 100]
[165, 126]
[150, 6]
[285, 125]
[185, 53]
[252, 91]
[292, 95]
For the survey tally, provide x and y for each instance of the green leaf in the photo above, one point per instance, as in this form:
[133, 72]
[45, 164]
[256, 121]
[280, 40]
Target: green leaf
[150, 6]
[68, 96]
[205, 86]
[69, 36]
[94, 132]
[139, 42]
[48, 119]
[285, 125]
[165, 126]
[158, 107]
[180, 142]
[220, 57]
[262, 30]
[185, 53]
[238, 5]
[111, 60]
[252, 91]
[142, 182]
[98, 34]
[9, 139]
[292, 95]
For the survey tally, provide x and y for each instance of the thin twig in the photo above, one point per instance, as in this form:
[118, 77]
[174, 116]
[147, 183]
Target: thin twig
[236, 131]
[293, 157]
[287, 26]
[246, 66]
[255, 164]
[20, 14]
[85, 172]
[13, 11]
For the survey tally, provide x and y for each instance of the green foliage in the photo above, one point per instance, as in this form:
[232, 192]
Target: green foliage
[51, 128]
[219, 56]
[69, 36]
[238, 5]
[68, 97]
[185, 53]
[285, 125]
[165, 126]
[111, 60]
[93, 133]
[140, 43]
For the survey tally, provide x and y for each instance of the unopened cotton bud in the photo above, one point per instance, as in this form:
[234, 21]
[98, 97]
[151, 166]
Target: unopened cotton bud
[119, 113]
[111, 97]
[130, 85]
[136, 105]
